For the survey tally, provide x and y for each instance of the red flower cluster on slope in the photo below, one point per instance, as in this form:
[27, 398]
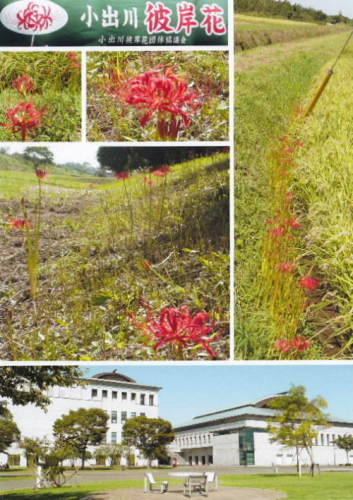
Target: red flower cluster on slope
[160, 90]
[162, 171]
[309, 283]
[287, 267]
[298, 344]
[23, 84]
[178, 326]
[24, 117]
[20, 224]
[121, 176]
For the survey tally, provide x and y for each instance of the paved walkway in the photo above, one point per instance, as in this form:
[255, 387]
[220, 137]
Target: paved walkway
[221, 494]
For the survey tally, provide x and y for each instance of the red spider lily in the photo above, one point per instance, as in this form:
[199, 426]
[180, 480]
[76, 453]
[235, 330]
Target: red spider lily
[294, 223]
[20, 224]
[23, 84]
[278, 231]
[299, 144]
[162, 171]
[283, 345]
[179, 327]
[73, 56]
[309, 283]
[161, 91]
[298, 344]
[146, 264]
[148, 181]
[23, 118]
[35, 17]
[301, 344]
[121, 176]
[289, 196]
[289, 150]
[41, 174]
[287, 267]
[166, 169]
[285, 138]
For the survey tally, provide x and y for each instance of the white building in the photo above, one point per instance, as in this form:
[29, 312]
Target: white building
[120, 396]
[238, 436]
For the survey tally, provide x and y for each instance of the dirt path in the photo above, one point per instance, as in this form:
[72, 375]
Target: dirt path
[262, 56]
[221, 494]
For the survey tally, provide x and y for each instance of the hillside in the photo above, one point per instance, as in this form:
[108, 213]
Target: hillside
[113, 257]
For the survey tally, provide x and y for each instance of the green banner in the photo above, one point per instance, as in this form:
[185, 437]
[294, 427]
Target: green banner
[26, 23]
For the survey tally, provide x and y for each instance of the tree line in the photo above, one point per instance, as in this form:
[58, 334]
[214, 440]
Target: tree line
[288, 10]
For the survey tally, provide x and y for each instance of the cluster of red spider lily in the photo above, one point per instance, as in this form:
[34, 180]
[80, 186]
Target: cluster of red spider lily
[24, 84]
[25, 116]
[20, 224]
[296, 345]
[180, 328]
[161, 93]
[73, 56]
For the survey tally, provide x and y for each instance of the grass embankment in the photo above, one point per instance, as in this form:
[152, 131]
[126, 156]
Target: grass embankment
[157, 240]
[266, 99]
[54, 87]
[323, 185]
[252, 31]
[327, 486]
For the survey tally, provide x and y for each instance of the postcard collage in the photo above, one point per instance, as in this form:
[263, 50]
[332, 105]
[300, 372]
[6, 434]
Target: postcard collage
[176, 249]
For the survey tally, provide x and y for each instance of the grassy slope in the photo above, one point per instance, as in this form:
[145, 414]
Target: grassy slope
[327, 486]
[252, 31]
[324, 186]
[182, 231]
[266, 98]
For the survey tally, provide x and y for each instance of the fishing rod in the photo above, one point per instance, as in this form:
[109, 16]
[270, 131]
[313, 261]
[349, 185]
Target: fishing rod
[327, 78]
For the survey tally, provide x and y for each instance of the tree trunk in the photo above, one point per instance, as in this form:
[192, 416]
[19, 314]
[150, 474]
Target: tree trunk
[83, 458]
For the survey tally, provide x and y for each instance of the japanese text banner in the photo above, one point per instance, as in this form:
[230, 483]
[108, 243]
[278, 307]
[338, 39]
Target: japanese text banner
[113, 22]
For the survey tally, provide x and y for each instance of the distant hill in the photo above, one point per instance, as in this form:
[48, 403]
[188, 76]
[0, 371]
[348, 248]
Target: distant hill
[288, 10]
[17, 162]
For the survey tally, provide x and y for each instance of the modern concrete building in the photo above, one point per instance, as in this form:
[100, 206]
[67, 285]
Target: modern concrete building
[238, 436]
[120, 396]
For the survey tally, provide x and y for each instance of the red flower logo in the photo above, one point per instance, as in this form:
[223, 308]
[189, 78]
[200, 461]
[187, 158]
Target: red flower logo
[35, 17]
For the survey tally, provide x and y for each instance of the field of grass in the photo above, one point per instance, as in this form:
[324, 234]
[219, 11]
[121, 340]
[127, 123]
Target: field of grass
[267, 98]
[252, 31]
[111, 118]
[327, 486]
[114, 255]
[54, 88]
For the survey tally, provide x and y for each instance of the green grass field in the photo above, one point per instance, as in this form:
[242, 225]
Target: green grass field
[108, 251]
[327, 486]
[267, 97]
[252, 31]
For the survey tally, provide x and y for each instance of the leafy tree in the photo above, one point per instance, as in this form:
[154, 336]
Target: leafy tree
[296, 420]
[345, 443]
[27, 384]
[9, 432]
[38, 155]
[80, 429]
[112, 451]
[149, 435]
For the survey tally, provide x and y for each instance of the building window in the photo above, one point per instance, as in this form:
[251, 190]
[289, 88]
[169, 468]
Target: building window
[123, 416]
[142, 399]
[190, 460]
[203, 460]
[210, 459]
[196, 460]
[114, 394]
[124, 396]
[104, 394]
[142, 414]
[94, 393]
[133, 396]
[114, 418]
[322, 439]
[328, 439]
[133, 414]
[113, 437]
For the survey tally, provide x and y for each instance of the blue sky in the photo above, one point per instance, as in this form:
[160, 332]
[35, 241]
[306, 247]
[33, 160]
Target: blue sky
[192, 390]
[329, 6]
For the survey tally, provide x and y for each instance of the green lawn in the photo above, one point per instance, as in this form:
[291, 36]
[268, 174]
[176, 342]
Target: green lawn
[327, 486]
[253, 23]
